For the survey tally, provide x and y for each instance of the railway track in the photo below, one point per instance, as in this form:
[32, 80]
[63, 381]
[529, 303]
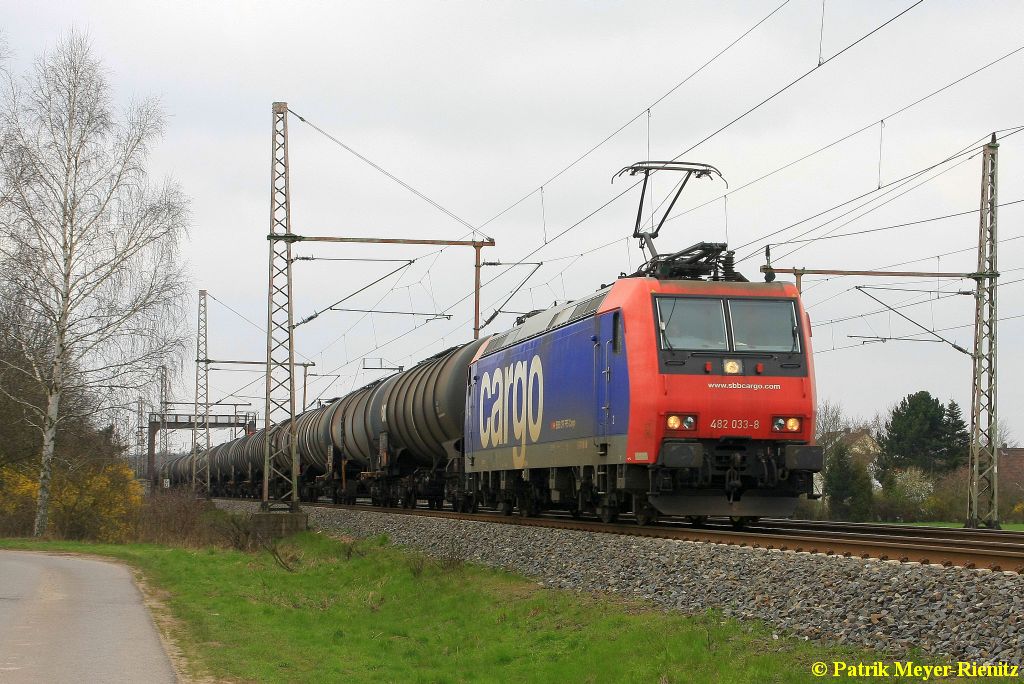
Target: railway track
[893, 529]
[985, 549]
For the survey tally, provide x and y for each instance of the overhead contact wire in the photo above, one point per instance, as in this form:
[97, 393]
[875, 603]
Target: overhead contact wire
[387, 173]
[637, 116]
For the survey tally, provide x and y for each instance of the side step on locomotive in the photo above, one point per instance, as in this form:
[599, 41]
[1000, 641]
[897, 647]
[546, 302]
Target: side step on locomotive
[679, 390]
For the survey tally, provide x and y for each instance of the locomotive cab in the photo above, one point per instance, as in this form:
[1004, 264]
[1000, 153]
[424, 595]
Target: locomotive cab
[729, 432]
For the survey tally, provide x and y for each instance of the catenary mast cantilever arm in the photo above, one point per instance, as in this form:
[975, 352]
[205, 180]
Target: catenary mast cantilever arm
[954, 345]
[497, 311]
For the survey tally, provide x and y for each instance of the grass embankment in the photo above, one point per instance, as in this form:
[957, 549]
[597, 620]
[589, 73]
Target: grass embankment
[369, 612]
[1012, 527]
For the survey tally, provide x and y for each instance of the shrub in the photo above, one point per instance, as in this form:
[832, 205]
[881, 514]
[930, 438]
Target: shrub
[18, 492]
[175, 516]
[847, 486]
[948, 500]
[810, 509]
[904, 495]
[98, 502]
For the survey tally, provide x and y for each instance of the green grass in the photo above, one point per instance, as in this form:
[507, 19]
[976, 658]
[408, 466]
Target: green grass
[369, 612]
[1015, 527]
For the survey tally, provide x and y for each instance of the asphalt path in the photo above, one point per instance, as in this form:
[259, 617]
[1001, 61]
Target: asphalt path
[69, 619]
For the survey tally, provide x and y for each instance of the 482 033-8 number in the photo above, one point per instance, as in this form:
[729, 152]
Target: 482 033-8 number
[735, 424]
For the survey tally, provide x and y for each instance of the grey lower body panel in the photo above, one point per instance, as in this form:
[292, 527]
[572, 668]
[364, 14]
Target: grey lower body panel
[561, 454]
[750, 505]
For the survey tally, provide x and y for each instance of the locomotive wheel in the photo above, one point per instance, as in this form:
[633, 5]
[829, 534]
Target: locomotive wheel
[608, 514]
[741, 522]
[697, 520]
[646, 516]
[505, 507]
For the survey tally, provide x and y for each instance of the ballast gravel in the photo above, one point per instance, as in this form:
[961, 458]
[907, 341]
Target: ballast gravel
[968, 615]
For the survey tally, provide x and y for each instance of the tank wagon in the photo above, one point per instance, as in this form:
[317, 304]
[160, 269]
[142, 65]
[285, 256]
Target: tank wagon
[682, 390]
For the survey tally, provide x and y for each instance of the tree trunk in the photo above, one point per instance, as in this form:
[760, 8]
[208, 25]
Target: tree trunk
[46, 468]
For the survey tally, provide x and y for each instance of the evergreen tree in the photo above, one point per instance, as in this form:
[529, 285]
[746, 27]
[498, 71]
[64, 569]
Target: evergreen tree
[916, 435]
[847, 486]
[956, 450]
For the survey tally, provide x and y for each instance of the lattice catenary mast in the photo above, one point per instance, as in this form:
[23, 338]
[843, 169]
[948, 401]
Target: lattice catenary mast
[280, 395]
[201, 445]
[165, 396]
[983, 500]
[140, 438]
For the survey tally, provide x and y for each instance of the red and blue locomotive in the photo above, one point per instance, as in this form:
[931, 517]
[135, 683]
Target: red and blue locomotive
[654, 396]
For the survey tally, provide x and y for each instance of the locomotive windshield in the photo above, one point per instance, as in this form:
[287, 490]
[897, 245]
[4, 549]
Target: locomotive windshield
[763, 325]
[706, 324]
[688, 323]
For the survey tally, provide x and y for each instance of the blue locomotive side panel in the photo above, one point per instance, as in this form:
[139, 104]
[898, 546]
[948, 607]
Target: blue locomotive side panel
[551, 400]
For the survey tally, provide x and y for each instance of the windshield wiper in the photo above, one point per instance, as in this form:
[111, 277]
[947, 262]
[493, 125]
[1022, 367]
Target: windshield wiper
[664, 324]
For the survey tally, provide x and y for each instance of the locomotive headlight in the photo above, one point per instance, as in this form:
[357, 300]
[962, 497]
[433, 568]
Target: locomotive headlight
[674, 422]
[732, 366]
[786, 424]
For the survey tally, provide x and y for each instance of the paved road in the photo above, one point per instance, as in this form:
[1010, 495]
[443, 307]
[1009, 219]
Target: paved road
[67, 619]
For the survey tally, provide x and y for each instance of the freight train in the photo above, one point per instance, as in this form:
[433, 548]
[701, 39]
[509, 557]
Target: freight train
[679, 390]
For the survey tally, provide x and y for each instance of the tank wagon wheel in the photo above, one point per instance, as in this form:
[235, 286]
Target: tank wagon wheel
[608, 514]
[505, 507]
[738, 523]
[697, 520]
[526, 506]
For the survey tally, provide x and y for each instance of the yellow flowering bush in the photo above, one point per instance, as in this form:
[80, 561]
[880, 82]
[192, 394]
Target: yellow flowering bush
[98, 501]
[18, 492]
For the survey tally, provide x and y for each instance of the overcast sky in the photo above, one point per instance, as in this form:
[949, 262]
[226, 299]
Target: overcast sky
[479, 104]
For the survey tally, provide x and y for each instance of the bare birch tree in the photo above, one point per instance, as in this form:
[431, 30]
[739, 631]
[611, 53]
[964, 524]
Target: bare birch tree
[88, 243]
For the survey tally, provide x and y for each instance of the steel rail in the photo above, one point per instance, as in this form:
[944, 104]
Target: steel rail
[897, 529]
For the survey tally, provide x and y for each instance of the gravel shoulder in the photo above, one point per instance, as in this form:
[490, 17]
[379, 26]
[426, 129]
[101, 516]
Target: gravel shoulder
[893, 607]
